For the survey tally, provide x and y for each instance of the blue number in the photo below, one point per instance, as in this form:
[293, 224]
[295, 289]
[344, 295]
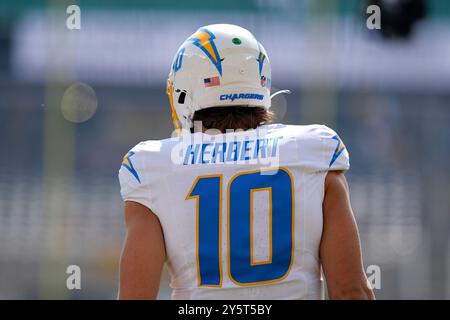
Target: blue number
[242, 269]
[207, 191]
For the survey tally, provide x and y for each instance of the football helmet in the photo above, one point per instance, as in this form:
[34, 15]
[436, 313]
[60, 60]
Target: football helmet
[219, 65]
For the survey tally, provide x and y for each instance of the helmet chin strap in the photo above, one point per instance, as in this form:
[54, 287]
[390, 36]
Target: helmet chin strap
[279, 92]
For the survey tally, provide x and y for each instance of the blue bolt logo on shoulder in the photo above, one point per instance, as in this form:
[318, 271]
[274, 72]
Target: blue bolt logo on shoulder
[238, 96]
[126, 162]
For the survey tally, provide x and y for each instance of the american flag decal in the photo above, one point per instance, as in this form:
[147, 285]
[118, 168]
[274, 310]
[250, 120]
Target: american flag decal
[211, 82]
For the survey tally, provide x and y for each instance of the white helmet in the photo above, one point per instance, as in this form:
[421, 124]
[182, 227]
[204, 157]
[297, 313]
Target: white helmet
[219, 65]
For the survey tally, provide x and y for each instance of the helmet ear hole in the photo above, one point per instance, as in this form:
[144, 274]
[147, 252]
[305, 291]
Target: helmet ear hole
[182, 97]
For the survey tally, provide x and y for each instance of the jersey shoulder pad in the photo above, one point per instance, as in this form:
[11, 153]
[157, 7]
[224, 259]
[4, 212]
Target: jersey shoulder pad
[134, 172]
[320, 148]
[335, 153]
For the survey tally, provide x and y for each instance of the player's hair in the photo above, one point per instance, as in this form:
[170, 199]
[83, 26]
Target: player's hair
[235, 117]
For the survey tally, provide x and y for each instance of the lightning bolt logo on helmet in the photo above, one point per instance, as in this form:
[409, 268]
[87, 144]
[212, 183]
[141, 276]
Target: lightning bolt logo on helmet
[204, 39]
[261, 58]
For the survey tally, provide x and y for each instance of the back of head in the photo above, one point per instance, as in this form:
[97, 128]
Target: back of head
[221, 76]
[234, 118]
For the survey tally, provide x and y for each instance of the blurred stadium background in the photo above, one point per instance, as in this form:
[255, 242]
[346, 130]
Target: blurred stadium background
[387, 94]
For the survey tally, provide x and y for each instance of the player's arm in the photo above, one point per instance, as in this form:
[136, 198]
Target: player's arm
[143, 254]
[340, 250]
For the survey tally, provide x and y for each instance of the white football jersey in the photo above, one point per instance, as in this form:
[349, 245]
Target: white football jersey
[241, 212]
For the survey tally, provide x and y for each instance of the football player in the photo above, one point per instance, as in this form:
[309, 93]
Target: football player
[237, 207]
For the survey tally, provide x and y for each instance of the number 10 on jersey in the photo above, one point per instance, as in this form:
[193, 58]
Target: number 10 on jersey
[207, 190]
